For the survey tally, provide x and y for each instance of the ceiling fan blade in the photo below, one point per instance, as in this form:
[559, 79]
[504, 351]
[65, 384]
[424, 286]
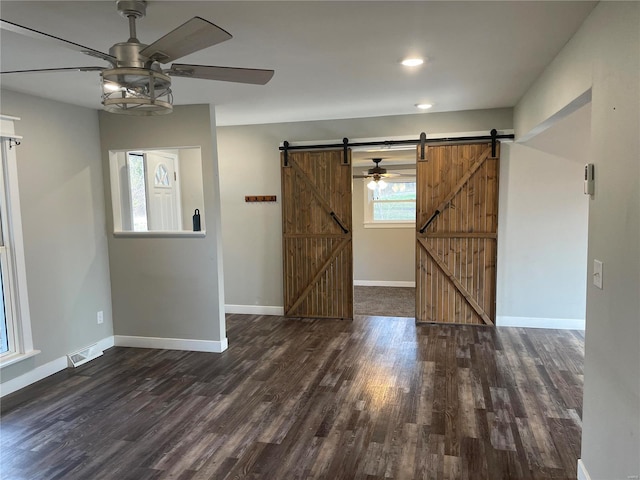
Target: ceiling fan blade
[189, 37]
[54, 70]
[225, 74]
[29, 32]
[362, 176]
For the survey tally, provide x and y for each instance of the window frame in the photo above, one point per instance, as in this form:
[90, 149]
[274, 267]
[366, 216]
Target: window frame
[12, 256]
[369, 221]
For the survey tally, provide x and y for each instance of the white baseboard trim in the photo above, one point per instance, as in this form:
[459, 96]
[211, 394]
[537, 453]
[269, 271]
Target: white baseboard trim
[43, 371]
[532, 322]
[213, 346]
[383, 283]
[106, 343]
[254, 309]
[33, 376]
[582, 471]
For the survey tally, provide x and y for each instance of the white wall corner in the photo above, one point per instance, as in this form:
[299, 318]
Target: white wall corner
[533, 322]
[574, 105]
[255, 309]
[211, 346]
[582, 471]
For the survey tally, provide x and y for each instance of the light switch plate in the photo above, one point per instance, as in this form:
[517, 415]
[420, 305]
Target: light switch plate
[597, 273]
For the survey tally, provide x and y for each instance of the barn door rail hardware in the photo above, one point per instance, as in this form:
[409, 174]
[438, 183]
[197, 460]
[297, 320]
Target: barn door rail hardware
[493, 137]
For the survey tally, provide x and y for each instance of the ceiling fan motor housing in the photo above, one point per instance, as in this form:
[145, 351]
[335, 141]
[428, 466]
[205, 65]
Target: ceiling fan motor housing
[377, 170]
[128, 55]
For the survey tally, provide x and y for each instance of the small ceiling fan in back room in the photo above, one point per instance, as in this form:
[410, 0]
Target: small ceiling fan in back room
[135, 83]
[376, 174]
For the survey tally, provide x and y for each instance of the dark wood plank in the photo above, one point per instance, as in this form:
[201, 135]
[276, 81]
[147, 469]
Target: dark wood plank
[311, 399]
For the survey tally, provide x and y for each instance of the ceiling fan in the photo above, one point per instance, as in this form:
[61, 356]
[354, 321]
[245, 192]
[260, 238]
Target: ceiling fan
[135, 83]
[376, 174]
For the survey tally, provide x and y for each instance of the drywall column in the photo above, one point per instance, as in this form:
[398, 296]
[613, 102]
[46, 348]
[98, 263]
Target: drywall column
[166, 291]
[605, 54]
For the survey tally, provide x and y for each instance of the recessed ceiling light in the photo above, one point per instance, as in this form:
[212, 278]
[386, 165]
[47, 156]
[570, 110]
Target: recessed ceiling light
[424, 106]
[412, 62]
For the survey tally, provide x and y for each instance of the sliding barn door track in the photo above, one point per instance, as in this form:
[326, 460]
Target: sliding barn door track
[493, 137]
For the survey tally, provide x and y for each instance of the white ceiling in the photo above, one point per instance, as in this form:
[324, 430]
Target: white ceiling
[332, 59]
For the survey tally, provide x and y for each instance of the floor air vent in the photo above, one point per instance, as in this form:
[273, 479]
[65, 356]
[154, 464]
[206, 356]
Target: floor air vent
[83, 356]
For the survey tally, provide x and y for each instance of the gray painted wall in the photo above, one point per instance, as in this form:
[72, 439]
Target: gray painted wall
[166, 287]
[542, 238]
[250, 165]
[63, 220]
[605, 55]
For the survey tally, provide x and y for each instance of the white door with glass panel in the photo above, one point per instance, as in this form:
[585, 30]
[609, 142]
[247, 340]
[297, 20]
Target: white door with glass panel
[155, 191]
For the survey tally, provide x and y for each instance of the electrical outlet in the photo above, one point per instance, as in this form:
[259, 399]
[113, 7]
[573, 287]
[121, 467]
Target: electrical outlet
[100, 317]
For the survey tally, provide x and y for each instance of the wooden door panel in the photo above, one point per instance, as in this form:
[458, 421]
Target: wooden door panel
[317, 247]
[457, 219]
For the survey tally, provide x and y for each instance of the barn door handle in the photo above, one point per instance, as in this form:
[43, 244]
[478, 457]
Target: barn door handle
[337, 220]
[428, 222]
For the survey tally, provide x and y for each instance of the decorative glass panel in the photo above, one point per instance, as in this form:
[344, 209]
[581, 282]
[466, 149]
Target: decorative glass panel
[162, 176]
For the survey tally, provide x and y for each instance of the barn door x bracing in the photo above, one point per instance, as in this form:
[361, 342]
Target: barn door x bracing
[316, 226]
[456, 234]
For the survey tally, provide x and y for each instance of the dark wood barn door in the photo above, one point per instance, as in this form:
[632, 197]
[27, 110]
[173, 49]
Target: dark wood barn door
[456, 234]
[316, 227]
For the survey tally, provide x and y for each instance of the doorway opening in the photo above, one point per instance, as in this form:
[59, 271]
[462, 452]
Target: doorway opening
[384, 232]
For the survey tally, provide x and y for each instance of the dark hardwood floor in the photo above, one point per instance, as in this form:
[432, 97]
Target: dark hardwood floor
[376, 398]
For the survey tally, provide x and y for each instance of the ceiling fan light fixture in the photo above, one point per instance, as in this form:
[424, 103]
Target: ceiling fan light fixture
[111, 87]
[377, 184]
[139, 91]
